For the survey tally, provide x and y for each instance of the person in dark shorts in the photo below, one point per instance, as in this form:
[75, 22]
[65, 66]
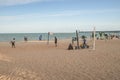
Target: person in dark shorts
[55, 41]
[13, 43]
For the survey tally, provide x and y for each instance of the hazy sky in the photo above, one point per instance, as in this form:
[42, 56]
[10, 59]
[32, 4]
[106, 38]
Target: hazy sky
[37, 16]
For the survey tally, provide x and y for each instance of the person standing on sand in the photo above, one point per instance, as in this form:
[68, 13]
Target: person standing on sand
[55, 41]
[84, 43]
[13, 43]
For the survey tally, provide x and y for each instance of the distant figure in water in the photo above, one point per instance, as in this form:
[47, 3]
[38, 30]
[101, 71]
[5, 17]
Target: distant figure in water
[55, 41]
[13, 43]
[40, 37]
[25, 38]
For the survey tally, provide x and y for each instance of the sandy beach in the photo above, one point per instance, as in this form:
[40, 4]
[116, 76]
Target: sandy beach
[35, 60]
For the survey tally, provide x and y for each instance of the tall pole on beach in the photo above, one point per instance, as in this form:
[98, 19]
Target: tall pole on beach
[48, 37]
[94, 32]
[77, 37]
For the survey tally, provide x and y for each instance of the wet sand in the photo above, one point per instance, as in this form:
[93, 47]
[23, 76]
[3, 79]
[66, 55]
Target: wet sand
[35, 60]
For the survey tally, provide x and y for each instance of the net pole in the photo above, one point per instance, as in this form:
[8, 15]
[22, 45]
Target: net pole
[77, 39]
[48, 37]
[94, 38]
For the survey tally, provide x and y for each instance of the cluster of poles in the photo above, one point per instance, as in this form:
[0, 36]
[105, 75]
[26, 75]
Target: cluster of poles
[77, 38]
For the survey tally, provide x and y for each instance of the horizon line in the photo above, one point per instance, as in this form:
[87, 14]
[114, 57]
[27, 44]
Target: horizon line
[60, 32]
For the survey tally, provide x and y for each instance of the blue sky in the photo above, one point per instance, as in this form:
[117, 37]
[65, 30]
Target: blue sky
[35, 16]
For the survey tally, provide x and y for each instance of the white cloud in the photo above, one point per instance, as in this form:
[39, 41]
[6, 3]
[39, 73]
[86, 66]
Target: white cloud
[18, 2]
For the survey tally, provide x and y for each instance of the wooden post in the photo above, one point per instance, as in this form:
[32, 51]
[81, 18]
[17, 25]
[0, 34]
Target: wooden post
[48, 37]
[77, 37]
[94, 39]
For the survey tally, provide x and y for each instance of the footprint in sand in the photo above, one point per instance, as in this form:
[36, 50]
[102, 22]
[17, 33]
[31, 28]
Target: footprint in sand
[4, 58]
[20, 74]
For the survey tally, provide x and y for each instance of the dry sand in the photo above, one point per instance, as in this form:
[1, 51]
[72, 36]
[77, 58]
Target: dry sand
[39, 61]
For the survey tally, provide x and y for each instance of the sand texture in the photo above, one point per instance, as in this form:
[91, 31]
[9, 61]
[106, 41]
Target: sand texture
[39, 61]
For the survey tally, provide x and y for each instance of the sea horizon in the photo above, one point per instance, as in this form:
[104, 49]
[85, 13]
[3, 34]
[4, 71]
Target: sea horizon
[61, 32]
[6, 37]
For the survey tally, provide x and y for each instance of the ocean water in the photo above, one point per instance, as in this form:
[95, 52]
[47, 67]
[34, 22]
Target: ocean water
[6, 37]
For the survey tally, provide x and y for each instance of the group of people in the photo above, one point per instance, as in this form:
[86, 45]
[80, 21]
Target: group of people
[26, 39]
[13, 41]
[70, 47]
[82, 46]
